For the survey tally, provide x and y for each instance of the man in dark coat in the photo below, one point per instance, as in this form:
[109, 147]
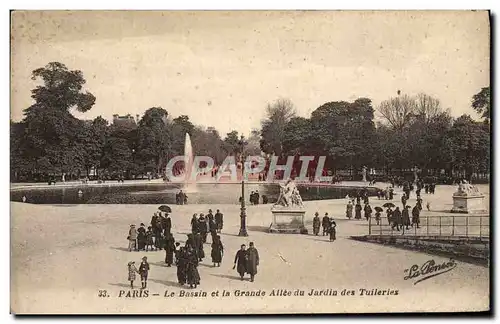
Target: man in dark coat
[219, 220]
[316, 224]
[390, 214]
[210, 216]
[217, 251]
[153, 220]
[203, 227]
[391, 193]
[144, 271]
[396, 218]
[253, 261]
[415, 213]
[198, 246]
[368, 211]
[357, 211]
[406, 216]
[169, 249]
[213, 228]
[194, 224]
[181, 198]
[257, 197]
[325, 223]
[264, 199]
[406, 189]
[167, 224]
[240, 261]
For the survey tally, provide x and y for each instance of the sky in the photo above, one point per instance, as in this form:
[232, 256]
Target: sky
[223, 68]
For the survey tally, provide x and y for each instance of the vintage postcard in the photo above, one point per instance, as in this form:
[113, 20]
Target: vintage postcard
[250, 162]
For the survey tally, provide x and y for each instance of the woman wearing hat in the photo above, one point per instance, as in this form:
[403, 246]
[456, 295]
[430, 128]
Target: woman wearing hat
[217, 251]
[141, 237]
[316, 224]
[132, 238]
[348, 210]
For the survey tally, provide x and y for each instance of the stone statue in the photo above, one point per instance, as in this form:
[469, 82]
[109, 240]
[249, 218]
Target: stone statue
[289, 195]
[364, 174]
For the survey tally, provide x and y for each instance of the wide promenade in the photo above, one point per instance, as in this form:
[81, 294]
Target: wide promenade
[63, 255]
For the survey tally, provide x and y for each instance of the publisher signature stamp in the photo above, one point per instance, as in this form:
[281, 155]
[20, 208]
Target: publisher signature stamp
[428, 269]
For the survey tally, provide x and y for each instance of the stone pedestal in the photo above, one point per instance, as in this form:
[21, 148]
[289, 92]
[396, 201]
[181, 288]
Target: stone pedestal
[468, 204]
[288, 220]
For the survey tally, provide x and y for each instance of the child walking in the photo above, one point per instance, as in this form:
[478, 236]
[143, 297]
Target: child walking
[143, 271]
[132, 270]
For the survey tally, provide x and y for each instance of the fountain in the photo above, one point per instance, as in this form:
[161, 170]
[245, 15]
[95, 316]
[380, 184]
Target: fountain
[189, 185]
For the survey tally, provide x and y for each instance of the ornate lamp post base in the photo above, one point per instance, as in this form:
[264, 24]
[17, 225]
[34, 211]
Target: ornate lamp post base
[243, 214]
[243, 227]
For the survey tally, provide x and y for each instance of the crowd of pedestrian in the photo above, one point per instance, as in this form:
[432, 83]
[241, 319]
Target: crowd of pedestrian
[327, 223]
[397, 218]
[158, 236]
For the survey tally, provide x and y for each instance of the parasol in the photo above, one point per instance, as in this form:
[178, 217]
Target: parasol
[165, 209]
[388, 205]
[379, 209]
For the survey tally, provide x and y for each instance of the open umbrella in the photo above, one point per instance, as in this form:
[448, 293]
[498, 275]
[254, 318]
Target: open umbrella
[165, 209]
[388, 205]
[379, 209]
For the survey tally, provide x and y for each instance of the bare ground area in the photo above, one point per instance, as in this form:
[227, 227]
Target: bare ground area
[61, 256]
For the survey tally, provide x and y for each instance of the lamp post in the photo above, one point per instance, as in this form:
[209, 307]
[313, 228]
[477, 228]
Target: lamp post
[243, 214]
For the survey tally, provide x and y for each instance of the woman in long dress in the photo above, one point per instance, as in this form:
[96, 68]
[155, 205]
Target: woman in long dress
[217, 251]
[358, 209]
[348, 211]
[333, 230]
[141, 238]
[193, 276]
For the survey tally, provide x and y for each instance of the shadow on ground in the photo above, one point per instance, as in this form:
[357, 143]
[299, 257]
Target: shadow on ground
[258, 228]
[121, 285]
[119, 248]
[226, 277]
[166, 282]
[159, 264]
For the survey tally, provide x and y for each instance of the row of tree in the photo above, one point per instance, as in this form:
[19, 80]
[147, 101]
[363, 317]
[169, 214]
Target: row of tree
[50, 141]
[412, 131]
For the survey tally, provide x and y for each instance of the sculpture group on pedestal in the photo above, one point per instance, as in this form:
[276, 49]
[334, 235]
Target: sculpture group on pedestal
[467, 199]
[288, 211]
[289, 196]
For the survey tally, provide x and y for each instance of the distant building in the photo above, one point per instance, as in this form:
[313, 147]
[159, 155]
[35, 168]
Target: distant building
[125, 121]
